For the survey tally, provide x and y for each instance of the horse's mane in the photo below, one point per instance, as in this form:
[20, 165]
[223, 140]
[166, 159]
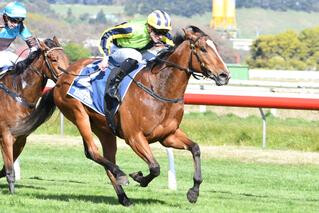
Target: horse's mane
[23, 65]
[50, 43]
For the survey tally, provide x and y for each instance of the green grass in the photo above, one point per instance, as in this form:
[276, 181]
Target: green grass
[59, 178]
[211, 129]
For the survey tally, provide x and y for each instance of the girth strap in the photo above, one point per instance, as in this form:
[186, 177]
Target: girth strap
[16, 97]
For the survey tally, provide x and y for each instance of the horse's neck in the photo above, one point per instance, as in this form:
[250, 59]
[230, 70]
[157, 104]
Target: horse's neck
[29, 84]
[171, 80]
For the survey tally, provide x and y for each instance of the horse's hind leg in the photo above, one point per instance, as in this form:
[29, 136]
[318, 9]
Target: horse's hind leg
[7, 155]
[17, 149]
[91, 150]
[179, 140]
[109, 151]
[141, 147]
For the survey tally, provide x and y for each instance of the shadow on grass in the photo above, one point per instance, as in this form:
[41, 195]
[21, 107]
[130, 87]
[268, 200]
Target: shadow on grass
[263, 196]
[54, 180]
[95, 199]
[20, 186]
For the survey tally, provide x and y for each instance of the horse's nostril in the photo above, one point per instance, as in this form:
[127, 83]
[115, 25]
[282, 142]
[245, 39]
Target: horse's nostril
[223, 76]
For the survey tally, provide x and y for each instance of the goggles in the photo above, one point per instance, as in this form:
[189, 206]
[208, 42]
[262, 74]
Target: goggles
[159, 31]
[15, 20]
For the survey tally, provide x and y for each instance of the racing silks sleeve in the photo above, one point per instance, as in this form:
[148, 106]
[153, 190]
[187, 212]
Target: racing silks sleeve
[109, 35]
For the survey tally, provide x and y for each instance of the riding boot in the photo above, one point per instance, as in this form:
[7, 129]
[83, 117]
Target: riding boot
[116, 76]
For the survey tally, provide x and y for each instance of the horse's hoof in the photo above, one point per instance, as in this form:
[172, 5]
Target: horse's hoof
[122, 180]
[192, 195]
[126, 202]
[137, 176]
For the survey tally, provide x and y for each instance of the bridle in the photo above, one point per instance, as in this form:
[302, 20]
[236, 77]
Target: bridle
[22, 100]
[49, 64]
[189, 70]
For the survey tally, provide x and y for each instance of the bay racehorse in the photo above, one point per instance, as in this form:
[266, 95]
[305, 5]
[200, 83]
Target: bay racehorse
[151, 111]
[20, 90]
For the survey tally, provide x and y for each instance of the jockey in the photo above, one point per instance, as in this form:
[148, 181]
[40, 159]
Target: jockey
[125, 42]
[11, 26]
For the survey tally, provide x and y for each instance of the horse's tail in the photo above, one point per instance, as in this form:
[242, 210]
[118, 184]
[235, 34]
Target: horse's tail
[38, 116]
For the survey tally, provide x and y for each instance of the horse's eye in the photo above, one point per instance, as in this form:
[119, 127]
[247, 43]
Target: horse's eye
[54, 58]
[203, 49]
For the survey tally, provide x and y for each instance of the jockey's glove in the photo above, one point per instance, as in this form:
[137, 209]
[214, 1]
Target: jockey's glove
[104, 63]
[32, 43]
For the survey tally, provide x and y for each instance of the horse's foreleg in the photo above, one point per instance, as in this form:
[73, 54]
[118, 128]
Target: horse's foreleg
[7, 155]
[179, 140]
[91, 150]
[141, 147]
[109, 147]
[17, 149]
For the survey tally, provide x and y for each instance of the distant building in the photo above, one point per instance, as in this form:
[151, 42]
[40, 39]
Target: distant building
[242, 44]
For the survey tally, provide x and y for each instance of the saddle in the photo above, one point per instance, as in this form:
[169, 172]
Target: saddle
[89, 88]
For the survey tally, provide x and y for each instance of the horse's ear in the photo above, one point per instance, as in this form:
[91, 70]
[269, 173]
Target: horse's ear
[187, 33]
[184, 31]
[55, 39]
[43, 46]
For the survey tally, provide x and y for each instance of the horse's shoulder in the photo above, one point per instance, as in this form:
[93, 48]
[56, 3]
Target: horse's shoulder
[142, 74]
[80, 63]
[84, 61]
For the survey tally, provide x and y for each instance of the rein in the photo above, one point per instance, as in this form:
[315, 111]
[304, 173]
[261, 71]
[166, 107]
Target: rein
[16, 97]
[55, 75]
[188, 70]
[49, 65]
[20, 99]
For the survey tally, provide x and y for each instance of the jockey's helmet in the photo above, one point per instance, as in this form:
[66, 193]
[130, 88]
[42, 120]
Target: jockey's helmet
[15, 10]
[160, 20]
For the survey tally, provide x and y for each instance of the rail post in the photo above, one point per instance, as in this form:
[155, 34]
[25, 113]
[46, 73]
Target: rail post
[171, 171]
[264, 127]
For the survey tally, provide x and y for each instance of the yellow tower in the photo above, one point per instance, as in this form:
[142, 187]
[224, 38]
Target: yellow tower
[218, 14]
[230, 14]
[224, 15]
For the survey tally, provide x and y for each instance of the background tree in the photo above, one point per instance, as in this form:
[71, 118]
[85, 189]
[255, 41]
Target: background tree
[287, 50]
[75, 51]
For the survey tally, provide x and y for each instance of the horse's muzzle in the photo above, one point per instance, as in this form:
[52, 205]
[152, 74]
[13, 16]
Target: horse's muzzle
[222, 78]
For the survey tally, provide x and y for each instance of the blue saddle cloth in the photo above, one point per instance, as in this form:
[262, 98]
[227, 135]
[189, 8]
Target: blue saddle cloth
[89, 88]
[5, 69]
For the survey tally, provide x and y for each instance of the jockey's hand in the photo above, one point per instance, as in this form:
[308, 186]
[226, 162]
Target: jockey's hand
[159, 45]
[32, 43]
[104, 63]
[157, 40]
